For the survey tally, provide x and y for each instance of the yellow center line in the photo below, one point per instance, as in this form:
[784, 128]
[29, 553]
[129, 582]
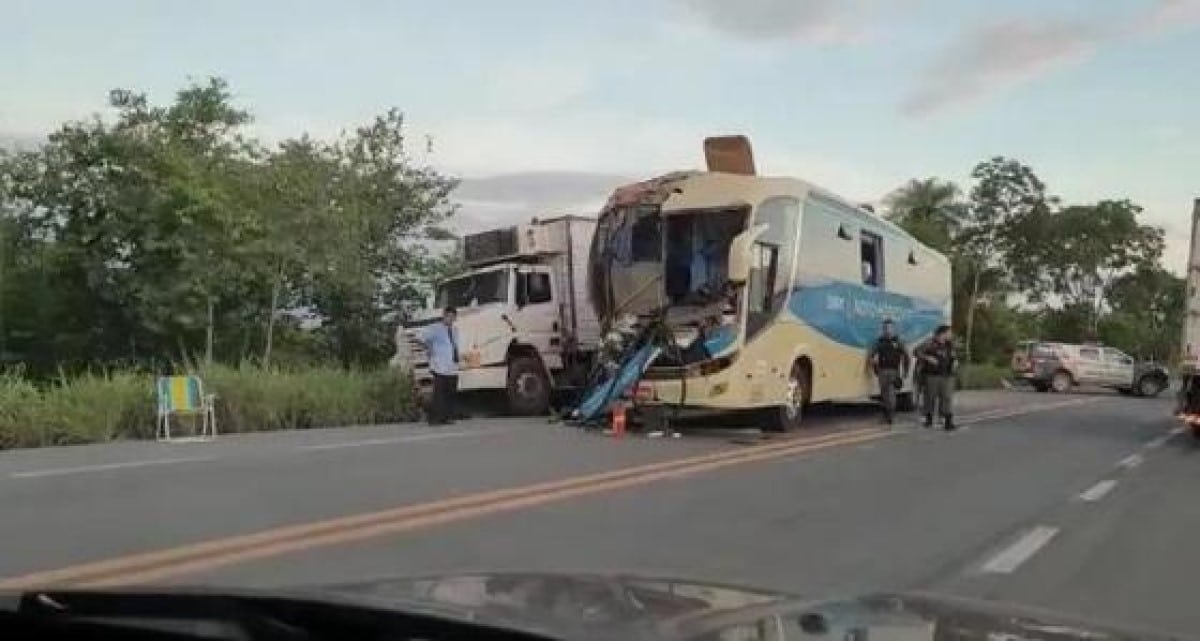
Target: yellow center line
[208, 555]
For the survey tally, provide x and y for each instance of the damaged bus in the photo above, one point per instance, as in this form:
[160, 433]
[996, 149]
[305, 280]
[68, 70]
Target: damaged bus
[764, 293]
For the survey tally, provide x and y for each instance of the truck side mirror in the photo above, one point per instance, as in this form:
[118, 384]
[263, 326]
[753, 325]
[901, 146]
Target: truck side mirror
[741, 255]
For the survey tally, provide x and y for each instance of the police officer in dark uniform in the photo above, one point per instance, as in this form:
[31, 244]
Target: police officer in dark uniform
[889, 361]
[940, 366]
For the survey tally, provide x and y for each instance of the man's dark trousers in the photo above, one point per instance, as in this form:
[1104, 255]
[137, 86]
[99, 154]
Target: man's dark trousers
[441, 405]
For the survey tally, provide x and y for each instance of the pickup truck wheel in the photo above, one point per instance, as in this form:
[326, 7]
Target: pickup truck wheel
[1149, 386]
[1061, 382]
[528, 388]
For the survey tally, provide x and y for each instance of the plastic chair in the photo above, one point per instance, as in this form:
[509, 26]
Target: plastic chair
[184, 396]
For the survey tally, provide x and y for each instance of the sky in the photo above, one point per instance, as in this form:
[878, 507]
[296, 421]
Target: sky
[543, 106]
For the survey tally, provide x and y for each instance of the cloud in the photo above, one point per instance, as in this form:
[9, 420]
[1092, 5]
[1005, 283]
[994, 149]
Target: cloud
[533, 86]
[997, 57]
[515, 167]
[506, 199]
[818, 21]
[20, 141]
[1167, 15]
[547, 187]
[1002, 54]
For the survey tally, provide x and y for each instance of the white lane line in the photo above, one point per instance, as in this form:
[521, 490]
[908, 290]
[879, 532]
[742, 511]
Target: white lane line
[1097, 491]
[63, 471]
[1021, 551]
[992, 415]
[1131, 461]
[396, 439]
[1155, 443]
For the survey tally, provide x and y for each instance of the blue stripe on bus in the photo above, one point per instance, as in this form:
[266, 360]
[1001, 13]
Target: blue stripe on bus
[850, 314]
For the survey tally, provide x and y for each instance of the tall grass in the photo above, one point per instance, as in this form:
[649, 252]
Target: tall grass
[103, 407]
[982, 375]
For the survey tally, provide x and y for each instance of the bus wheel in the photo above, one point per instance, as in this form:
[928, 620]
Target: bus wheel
[787, 417]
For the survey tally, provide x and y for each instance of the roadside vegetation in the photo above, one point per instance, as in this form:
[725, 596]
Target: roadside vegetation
[98, 407]
[156, 235]
[1026, 266]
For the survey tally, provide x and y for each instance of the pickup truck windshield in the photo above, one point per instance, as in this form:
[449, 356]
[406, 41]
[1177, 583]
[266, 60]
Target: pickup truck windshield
[476, 289]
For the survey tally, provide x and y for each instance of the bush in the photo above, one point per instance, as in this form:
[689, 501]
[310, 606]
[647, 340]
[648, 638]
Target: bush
[19, 405]
[982, 376]
[96, 408]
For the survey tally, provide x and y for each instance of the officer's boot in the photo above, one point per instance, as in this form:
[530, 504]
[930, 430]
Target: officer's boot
[928, 421]
[949, 424]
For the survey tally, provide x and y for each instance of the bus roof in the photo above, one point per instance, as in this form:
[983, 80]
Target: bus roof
[713, 190]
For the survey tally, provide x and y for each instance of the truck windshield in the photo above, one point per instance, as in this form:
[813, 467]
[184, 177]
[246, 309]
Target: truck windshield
[476, 289]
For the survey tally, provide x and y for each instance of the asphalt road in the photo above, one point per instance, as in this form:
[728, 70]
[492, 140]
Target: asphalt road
[1083, 503]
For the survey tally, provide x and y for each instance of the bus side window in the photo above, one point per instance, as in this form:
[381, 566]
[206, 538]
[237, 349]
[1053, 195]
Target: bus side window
[872, 259]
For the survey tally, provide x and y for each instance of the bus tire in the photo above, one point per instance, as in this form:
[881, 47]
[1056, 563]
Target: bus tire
[528, 388]
[788, 417]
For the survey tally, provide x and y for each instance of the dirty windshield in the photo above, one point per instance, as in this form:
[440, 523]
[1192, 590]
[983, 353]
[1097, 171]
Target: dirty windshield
[573, 308]
[477, 289]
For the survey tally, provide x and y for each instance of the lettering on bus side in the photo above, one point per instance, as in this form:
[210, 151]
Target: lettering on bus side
[849, 313]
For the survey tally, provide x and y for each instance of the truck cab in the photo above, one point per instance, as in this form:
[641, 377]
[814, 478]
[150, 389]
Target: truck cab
[520, 328]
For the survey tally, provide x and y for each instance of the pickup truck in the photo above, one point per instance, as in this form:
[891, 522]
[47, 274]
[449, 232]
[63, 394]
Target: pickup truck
[1058, 367]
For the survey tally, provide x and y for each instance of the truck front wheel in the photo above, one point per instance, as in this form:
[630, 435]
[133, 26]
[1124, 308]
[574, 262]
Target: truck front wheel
[528, 388]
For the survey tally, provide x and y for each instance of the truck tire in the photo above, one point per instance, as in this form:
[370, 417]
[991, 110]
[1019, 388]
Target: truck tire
[787, 417]
[1150, 386]
[1062, 381]
[528, 388]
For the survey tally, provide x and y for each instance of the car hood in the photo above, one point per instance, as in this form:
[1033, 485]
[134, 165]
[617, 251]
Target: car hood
[577, 606]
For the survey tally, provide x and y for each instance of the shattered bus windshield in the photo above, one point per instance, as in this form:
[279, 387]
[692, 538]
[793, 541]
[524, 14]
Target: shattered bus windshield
[476, 289]
[697, 256]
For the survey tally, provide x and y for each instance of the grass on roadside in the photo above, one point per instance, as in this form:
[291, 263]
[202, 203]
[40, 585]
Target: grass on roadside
[102, 407]
[982, 376]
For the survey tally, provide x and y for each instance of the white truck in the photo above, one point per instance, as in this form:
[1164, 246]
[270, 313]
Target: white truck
[525, 324]
[1189, 366]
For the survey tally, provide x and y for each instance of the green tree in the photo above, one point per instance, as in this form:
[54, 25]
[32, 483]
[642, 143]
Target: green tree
[1087, 248]
[1147, 313]
[1007, 200]
[934, 212]
[388, 209]
[165, 231]
[929, 209]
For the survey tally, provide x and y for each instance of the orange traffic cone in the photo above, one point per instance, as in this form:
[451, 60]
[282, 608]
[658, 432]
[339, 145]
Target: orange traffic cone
[618, 419]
